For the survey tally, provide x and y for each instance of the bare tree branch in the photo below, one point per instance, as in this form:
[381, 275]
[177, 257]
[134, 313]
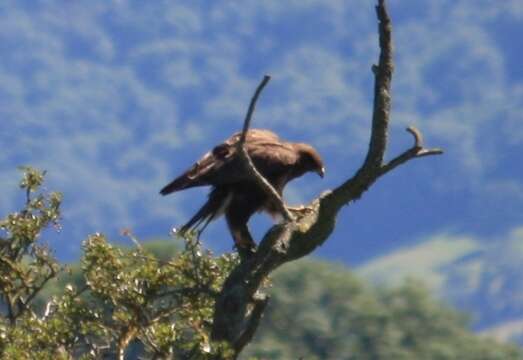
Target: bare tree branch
[382, 95]
[367, 174]
[416, 151]
[250, 111]
[233, 319]
[248, 164]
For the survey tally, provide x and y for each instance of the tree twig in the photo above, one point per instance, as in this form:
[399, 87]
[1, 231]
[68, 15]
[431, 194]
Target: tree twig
[416, 151]
[250, 111]
[35, 290]
[247, 161]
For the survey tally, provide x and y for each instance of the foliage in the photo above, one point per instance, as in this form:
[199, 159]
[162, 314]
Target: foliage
[125, 300]
[25, 266]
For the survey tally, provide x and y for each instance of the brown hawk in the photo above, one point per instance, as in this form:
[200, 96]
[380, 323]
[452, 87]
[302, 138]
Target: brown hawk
[233, 192]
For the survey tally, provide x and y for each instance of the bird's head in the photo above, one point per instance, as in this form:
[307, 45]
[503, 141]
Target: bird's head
[310, 159]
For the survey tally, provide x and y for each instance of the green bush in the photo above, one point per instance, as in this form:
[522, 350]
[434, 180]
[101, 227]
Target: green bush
[122, 300]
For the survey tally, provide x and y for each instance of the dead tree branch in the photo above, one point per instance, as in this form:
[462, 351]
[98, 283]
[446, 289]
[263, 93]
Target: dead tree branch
[416, 151]
[247, 162]
[238, 307]
[250, 111]
[382, 94]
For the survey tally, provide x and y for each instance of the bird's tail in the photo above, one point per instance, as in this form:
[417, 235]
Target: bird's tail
[214, 207]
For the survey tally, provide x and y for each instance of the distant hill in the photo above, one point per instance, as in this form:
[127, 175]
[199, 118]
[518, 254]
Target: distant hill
[484, 278]
[320, 310]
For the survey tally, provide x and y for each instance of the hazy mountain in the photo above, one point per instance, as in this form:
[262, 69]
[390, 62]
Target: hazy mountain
[483, 277]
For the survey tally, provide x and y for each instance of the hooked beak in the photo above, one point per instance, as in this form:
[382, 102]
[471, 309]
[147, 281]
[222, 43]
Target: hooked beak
[321, 172]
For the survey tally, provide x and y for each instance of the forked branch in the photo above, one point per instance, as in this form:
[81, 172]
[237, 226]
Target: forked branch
[416, 151]
[374, 167]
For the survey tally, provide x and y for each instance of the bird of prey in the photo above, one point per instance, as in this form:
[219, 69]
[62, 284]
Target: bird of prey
[233, 191]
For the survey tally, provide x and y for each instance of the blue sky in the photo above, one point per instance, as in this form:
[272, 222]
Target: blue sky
[114, 98]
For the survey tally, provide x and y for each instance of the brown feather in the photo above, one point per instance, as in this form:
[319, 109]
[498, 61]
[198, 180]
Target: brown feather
[233, 192]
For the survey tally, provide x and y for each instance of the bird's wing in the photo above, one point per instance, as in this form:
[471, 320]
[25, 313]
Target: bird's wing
[198, 174]
[254, 135]
[220, 166]
[272, 158]
[269, 154]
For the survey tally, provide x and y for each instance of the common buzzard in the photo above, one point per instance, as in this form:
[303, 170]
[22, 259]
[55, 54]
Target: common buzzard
[233, 192]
